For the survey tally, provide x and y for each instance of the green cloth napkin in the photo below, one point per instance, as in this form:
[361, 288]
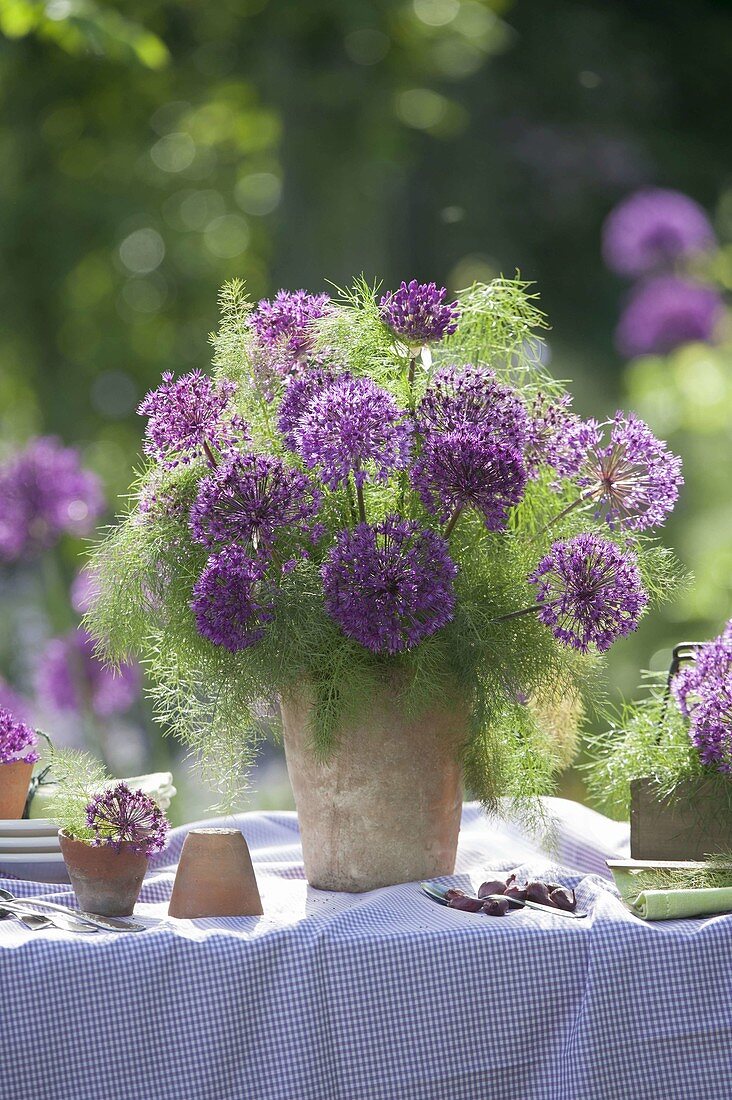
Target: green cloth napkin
[672, 904]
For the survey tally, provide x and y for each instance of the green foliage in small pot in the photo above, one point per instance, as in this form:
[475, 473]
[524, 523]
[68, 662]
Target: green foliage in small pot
[90, 807]
[378, 490]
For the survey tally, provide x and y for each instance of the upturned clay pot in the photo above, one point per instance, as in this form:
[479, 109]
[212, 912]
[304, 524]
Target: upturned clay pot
[14, 783]
[105, 880]
[385, 806]
[215, 877]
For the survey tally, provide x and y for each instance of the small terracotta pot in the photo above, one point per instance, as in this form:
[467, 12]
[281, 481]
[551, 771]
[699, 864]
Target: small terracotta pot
[14, 783]
[105, 880]
[215, 877]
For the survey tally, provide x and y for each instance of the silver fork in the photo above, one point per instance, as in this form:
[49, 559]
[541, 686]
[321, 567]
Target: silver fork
[36, 921]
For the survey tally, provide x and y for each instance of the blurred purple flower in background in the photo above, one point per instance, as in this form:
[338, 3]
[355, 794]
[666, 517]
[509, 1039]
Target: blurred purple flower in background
[189, 416]
[634, 479]
[418, 312]
[120, 816]
[227, 600]
[17, 704]
[590, 592]
[389, 586]
[45, 493]
[84, 590]
[70, 677]
[652, 229]
[17, 740]
[665, 312]
[467, 469]
[249, 499]
[354, 426]
[472, 397]
[282, 323]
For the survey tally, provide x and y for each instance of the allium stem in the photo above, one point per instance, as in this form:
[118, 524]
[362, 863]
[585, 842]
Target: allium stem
[561, 515]
[453, 520]
[209, 454]
[410, 373]
[361, 503]
[517, 614]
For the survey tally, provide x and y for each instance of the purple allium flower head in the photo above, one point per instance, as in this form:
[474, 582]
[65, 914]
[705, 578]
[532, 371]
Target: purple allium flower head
[17, 740]
[354, 426]
[229, 600]
[190, 416]
[300, 391]
[418, 312]
[248, 499]
[710, 727]
[284, 322]
[472, 397]
[464, 469]
[652, 229]
[557, 437]
[633, 479]
[389, 586]
[120, 816]
[666, 312]
[70, 676]
[590, 592]
[710, 672]
[44, 493]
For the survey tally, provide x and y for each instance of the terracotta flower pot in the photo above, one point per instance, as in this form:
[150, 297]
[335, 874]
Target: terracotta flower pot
[105, 880]
[385, 807]
[215, 877]
[14, 783]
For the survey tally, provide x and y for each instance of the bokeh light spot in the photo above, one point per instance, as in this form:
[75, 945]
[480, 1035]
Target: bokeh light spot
[142, 251]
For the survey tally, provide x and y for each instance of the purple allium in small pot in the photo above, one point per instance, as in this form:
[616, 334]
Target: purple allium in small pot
[45, 493]
[389, 586]
[17, 740]
[652, 230]
[418, 313]
[119, 816]
[589, 591]
[666, 312]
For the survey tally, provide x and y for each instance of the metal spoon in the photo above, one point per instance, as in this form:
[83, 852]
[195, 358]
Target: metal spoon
[37, 921]
[109, 924]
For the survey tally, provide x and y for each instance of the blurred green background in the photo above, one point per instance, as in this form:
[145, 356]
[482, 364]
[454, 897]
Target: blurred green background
[152, 150]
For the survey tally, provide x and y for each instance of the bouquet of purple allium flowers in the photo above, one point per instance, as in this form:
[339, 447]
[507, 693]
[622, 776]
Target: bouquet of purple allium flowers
[382, 488]
[17, 740]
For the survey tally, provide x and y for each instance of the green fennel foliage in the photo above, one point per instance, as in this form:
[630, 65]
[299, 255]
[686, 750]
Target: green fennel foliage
[215, 700]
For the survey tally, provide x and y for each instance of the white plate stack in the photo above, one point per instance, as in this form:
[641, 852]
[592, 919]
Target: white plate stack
[30, 849]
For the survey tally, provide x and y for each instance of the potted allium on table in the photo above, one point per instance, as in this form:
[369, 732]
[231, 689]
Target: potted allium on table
[107, 833]
[381, 511]
[18, 754]
[668, 758]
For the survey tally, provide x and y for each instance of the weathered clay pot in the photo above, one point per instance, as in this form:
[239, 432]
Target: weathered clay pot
[14, 783]
[215, 877]
[105, 880]
[385, 806]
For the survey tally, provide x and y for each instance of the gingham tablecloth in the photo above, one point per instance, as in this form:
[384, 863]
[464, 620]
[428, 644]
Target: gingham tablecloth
[382, 995]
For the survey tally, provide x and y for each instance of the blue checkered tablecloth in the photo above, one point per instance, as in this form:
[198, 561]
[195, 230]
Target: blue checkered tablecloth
[376, 996]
